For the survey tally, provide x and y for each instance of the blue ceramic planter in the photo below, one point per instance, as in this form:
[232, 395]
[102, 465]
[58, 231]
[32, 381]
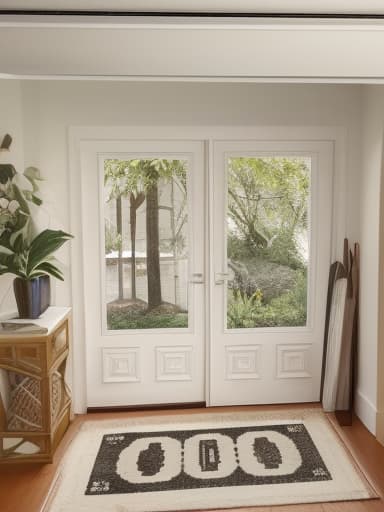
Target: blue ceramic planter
[32, 296]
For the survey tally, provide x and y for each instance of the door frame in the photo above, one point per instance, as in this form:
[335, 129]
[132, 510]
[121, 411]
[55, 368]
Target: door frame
[79, 134]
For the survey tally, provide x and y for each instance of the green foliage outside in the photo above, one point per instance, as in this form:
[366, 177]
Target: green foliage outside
[132, 178]
[267, 223]
[135, 176]
[113, 239]
[267, 199]
[289, 309]
[123, 320]
[141, 182]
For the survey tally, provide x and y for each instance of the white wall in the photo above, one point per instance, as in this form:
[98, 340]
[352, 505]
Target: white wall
[11, 121]
[372, 158]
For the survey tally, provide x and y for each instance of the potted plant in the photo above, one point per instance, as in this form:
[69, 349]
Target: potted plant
[27, 255]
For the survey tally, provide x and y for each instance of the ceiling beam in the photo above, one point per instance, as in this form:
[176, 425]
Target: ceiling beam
[207, 7]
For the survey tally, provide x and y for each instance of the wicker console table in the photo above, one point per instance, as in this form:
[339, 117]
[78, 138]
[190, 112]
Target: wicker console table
[34, 398]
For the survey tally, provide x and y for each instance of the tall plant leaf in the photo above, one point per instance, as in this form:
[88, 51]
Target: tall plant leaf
[45, 244]
[5, 240]
[33, 198]
[18, 244]
[8, 264]
[47, 268]
[33, 174]
[19, 196]
[7, 172]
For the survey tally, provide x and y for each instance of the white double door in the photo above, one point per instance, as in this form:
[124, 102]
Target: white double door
[237, 244]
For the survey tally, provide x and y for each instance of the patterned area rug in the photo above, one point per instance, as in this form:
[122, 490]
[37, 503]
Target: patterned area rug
[204, 461]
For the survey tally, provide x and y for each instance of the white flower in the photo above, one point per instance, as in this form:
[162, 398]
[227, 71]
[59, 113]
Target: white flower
[4, 203]
[13, 206]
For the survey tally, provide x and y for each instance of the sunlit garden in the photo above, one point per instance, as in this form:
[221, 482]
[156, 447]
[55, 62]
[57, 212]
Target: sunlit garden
[146, 242]
[267, 226]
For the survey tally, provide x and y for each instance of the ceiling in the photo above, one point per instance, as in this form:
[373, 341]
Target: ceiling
[330, 7]
[144, 46]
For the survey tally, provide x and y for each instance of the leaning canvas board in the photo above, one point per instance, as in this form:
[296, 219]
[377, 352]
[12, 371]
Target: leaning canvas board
[348, 346]
[335, 333]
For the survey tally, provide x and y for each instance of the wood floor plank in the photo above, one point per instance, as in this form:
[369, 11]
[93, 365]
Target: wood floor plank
[366, 450]
[23, 487]
[305, 507]
[245, 509]
[355, 506]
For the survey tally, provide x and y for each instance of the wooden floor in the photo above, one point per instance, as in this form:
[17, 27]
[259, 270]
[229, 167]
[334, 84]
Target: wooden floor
[23, 487]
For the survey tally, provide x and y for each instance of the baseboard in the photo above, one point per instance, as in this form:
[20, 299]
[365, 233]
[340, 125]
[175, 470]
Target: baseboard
[366, 411]
[380, 427]
[147, 407]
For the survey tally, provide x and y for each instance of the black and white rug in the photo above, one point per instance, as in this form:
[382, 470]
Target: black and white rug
[206, 461]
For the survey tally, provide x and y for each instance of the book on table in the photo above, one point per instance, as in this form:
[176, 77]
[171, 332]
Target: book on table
[21, 328]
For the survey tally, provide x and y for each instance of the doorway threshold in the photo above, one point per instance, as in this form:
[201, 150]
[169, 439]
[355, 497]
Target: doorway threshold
[147, 407]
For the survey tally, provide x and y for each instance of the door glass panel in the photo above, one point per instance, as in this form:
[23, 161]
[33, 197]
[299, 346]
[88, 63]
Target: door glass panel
[146, 243]
[267, 241]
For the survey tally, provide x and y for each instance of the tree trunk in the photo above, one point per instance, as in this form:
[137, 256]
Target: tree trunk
[119, 228]
[132, 216]
[134, 204]
[153, 252]
[174, 242]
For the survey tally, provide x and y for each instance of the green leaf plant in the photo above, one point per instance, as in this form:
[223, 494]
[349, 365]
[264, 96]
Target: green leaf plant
[33, 259]
[23, 252]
